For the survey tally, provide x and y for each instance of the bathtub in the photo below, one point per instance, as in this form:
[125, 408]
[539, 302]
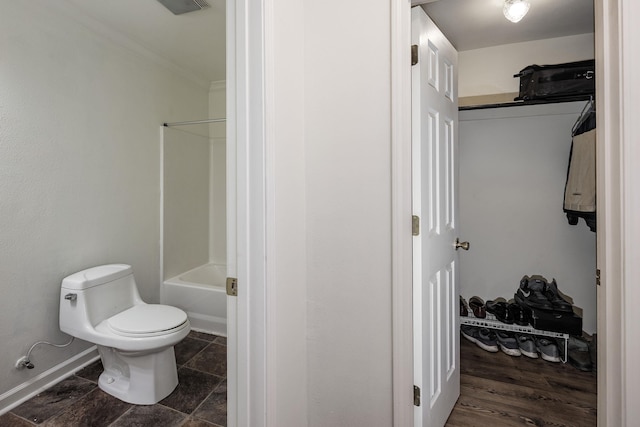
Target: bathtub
[202, 294]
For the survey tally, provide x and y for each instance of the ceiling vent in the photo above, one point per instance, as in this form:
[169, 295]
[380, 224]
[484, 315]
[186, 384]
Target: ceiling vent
[178, 7]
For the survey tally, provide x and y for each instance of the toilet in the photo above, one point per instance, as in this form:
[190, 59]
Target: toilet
[135, 340]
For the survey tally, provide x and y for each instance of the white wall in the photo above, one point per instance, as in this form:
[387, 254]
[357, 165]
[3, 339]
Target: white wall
[185, 240]
[490, 70]
[330, 189]
[287, 215]
[218, 178]
[79, 169]
[513, 168]
[348, 207]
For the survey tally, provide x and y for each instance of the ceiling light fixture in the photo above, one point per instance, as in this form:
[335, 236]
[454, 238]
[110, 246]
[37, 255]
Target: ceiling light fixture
[514, 10]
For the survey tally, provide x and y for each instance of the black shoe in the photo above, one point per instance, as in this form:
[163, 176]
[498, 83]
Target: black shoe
[500, 309]
[553, 295]
[521, 315]
[531, 293]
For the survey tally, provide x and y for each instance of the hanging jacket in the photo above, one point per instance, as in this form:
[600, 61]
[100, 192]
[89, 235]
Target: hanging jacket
[580, 188]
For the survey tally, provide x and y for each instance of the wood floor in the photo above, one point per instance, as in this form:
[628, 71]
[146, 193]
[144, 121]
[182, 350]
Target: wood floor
[500, 390]
[199, 400]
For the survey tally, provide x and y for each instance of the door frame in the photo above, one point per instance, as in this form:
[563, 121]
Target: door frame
[617, 203]
[247, 361]
[618, 207]
[401, 212]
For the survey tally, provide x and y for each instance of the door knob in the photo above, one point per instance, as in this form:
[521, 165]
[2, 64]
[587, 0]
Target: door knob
[463, 245]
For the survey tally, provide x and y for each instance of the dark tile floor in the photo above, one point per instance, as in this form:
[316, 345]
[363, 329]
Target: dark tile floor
[200, 400]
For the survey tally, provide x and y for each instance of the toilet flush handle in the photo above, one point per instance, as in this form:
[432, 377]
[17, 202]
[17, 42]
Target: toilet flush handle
[71, 297]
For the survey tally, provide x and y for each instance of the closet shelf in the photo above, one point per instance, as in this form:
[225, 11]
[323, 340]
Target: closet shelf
[531, 102]
[492, 323]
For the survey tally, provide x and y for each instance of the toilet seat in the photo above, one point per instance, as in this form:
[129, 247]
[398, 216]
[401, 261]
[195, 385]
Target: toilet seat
[146, 320]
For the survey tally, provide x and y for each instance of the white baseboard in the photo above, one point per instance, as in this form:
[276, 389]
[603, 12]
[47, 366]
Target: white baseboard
[208, 324]
[35, 385]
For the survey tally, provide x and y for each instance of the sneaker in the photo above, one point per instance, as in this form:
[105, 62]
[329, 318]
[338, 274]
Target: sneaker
[593, 352]
[553, 295]
[482, 337]
[579, 356]
[531, 293]
[548, 349]
[500, 309]
[521, 315]
[527, 345]
[508, 343]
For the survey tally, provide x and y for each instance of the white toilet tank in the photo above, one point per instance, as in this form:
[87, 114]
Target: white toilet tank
[92, 295]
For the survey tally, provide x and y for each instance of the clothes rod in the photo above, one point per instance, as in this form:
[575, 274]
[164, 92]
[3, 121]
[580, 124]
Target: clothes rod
[194, 122]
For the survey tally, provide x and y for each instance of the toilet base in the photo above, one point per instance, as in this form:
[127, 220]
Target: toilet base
[141, 378]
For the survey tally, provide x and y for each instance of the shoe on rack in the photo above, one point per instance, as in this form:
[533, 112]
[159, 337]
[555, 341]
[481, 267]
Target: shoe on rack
[521, 315]
[508, 343]
[531, 293]
[579, 356]
[527, 345]
[482, 337]
[553, 295]
[464, 309]
[477, 306]
[593, 352]
[548, 349]
[499, 308]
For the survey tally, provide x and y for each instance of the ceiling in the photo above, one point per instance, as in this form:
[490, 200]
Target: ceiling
[474, 24]
[195, 41]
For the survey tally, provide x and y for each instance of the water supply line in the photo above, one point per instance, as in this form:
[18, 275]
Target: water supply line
[25, 361]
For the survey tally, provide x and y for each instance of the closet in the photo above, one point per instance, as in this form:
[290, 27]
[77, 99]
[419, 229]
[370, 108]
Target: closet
[513, 170]
[513, 156]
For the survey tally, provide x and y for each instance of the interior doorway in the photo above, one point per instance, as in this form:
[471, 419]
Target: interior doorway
[590, 269]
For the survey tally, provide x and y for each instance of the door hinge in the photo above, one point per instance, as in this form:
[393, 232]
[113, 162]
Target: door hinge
[414, 54]
[415, 225]
[598, 276]
[416, 395]
[232, 286]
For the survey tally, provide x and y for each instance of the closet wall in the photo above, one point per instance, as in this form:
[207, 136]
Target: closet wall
[490, 70]
[513, 167]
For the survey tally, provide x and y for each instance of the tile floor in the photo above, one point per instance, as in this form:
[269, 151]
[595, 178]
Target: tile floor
[200, 400]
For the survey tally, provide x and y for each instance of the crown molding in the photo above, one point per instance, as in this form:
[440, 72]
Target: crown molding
[104, 31]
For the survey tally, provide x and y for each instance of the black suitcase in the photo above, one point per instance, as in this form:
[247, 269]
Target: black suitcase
[557, 81]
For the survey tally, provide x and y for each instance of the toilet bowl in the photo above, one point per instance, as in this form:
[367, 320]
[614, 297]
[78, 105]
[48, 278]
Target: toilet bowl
[135, 340]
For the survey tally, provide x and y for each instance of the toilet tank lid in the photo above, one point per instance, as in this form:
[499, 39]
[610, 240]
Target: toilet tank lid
[96, 276]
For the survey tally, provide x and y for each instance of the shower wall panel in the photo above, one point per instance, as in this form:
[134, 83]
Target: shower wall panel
[186, 201]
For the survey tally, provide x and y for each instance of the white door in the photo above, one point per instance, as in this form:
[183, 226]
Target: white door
[435, 262]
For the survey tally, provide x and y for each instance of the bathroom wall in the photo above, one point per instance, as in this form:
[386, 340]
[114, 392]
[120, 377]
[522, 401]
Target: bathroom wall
[186, 170]
[490, 70]
[79, 168]
[218, 190]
